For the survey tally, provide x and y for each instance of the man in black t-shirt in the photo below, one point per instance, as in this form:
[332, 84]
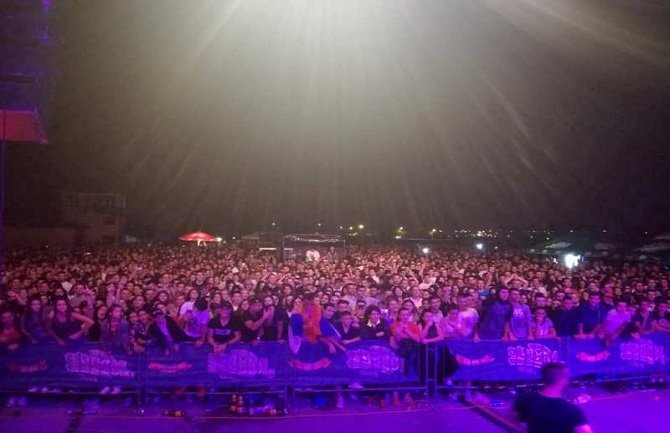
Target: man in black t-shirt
[566, 319]
[253, 320]
[546, 411]
[223, 329]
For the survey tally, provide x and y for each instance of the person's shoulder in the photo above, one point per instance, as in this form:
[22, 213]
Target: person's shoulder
[522, 401]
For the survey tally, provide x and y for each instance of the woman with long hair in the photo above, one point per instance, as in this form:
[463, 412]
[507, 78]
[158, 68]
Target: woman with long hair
[67, 326]
[431, 332]
[34, 322]
[10, 332]
[406, 339]
[115, 337]
[99, 316]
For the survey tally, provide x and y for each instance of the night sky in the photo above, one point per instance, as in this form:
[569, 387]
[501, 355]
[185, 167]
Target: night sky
[228, 115]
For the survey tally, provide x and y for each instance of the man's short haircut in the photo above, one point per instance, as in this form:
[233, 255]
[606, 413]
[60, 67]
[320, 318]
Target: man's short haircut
[342, 301]
[552, 372]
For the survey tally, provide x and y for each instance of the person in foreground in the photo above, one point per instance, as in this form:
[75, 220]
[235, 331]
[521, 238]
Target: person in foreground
[547, 411]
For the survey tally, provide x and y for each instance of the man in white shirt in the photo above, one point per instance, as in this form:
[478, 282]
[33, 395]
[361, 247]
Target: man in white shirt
[467, 316]
[616, 321]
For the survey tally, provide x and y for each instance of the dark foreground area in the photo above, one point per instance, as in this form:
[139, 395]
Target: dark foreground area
[622, 412]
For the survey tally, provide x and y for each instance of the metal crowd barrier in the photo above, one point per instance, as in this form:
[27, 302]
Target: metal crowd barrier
[371, 364]
[519, 362]
[261, 366]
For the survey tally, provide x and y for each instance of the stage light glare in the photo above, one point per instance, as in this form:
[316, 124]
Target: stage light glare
[571, 260]
[425, 250]
[479, 246]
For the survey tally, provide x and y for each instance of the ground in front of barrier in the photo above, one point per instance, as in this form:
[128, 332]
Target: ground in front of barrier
[51, 416]
[618, 412]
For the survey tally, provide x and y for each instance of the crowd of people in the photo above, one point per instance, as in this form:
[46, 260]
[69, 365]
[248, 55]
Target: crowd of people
[136, 297]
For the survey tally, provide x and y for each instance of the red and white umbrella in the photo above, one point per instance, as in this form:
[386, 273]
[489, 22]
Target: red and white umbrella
[198, 237]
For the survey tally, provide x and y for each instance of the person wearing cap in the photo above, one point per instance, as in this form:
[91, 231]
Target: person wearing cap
[223, 329]
[253, 320]
[165, 331]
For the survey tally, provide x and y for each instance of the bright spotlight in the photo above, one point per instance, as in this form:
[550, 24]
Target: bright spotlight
[571, 260]
[219, 239]
[479, 246]
[361, 226]
[425, 250]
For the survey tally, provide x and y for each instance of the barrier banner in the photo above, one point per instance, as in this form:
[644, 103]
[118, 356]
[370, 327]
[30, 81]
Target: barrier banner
[239, 365]
[76, 365]
[363, 362]
[497, 360]
[647, 355]
[311, 364]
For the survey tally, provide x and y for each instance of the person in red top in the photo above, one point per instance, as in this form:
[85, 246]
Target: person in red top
[10, 336]
[404, 331]
[406, 339]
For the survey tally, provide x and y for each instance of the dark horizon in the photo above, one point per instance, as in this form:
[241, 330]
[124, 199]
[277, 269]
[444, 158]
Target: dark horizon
[226, 117]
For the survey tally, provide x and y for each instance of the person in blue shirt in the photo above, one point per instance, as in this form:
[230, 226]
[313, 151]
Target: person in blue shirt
[496, 316]
[591, 316]
[566, 318]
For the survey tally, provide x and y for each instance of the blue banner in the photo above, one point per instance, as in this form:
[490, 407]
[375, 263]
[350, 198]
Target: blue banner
[647, 355]
[76, 365]
[364, 362]
[239, 365]
[522, 360]
[497, 360]
[311, 364]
